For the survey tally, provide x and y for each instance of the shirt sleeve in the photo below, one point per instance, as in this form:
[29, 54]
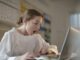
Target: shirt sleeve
[5, 48]
[45, 46]
[41, 44]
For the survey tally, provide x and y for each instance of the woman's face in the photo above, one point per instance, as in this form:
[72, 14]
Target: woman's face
[33, 25]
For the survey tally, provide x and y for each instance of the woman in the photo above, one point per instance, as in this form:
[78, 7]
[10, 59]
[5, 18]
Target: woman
[24, 42]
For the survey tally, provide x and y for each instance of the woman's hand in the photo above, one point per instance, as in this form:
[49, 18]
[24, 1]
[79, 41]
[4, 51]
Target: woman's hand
[51, 50]
[26, 56]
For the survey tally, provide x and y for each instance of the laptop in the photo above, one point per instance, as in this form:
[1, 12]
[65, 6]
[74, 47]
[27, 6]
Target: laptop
[58, 57]
[63, 45]
[71, 49]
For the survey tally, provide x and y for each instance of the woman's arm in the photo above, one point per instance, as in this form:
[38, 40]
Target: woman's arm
[5, 48]
[46, 47]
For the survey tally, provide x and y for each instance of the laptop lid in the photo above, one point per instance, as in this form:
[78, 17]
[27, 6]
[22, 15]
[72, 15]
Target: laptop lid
[67, 32]
[71, 50]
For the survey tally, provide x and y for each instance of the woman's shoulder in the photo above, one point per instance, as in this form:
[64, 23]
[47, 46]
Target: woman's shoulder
[11, 31]
[37, 35]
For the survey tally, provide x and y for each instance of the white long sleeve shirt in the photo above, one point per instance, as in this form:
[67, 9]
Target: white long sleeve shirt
[14, 44]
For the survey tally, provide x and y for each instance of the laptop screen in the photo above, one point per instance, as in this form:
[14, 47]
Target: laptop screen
[62, 47]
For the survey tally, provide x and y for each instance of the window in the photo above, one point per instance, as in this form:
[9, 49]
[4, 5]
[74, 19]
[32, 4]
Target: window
[75, 20]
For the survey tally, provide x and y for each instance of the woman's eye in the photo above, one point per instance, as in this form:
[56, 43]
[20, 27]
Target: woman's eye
[36, 23]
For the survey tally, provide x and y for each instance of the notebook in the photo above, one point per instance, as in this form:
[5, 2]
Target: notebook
[58, 57]
[71, 50]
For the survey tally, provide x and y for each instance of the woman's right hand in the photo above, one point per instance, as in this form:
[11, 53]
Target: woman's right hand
[26, 56]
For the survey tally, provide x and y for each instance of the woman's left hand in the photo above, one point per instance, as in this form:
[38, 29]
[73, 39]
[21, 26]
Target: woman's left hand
[51, 50]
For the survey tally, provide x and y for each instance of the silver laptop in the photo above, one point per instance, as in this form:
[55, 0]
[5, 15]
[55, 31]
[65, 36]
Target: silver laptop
[58, 57]
[61, 51]
[71, 48]
[63, 45]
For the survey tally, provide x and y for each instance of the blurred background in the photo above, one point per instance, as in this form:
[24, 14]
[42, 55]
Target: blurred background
[59, 15]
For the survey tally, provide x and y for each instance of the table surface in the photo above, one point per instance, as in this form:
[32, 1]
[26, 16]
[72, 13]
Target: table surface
[45, 57]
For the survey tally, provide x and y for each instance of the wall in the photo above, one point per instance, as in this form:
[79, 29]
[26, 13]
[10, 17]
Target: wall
[8, 13]
[77, 8]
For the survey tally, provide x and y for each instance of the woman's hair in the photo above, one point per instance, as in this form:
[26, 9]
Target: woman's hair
[29, 14]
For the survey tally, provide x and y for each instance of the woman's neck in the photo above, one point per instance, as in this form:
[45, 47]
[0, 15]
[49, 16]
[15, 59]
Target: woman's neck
[22, 30]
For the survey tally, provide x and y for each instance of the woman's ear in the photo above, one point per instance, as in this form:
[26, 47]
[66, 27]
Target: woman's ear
[24, 20]
[20, 21]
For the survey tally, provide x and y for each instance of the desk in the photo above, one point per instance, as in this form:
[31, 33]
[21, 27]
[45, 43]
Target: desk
[46, 58]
